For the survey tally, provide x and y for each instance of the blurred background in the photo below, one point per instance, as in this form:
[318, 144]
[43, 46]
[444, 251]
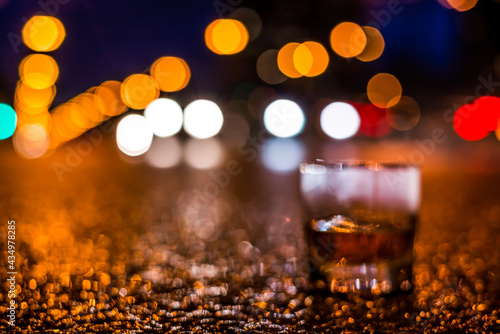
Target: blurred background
[151, 150]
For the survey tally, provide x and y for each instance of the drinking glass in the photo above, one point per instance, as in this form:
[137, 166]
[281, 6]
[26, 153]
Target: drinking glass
[360, 220]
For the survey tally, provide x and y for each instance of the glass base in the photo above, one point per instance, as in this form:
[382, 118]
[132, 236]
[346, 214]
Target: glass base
[375, 278]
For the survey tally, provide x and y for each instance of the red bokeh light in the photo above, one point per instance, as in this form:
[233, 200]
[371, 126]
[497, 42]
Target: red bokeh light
[373, 121]
[474, 121]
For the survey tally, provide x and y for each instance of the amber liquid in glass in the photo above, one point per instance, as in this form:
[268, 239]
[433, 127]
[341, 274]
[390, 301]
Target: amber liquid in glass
[373, 253]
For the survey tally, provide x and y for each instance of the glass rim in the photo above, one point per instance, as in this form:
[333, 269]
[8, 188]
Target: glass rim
[373, 165]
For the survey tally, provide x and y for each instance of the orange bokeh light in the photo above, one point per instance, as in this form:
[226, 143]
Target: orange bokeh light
[44, 119]
[348, 39]
[43, 33]
[286, 60]
[302, 59]
[497, 131]
[89, 104]
[384, 90]
[320, 58]
[374, 46]
[404, 115]
[171, 73]
[139, 90]
[32, 100]
[226, 36]
[64, 127]
[114, 103]
[462, 5]
[38, 71]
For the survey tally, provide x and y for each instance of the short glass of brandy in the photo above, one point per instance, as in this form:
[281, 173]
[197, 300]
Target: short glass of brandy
[360, 220]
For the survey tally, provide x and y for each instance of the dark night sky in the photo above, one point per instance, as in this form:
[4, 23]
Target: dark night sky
[427, 46]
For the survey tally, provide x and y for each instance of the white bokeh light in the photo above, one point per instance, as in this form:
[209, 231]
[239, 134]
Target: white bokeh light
[284, 118]
[203, 154]
[164, 152]
[134, 135]
[164, 117]
[339, 120]
[282, 154]
[202, 119]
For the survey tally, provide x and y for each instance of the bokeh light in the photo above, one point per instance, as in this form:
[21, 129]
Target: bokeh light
[284, 118]
[31, 141]
[171, 73]
[203, 154]
[164, 116]
[38, 71]
[226, 36]
[319, 58]
[89, 109]
[67, 123]
[8, 121]
[133, 135]
[348, 39]
[373, 120]
[302, 59]
[286, 61]
[404, 115]
[44, 119]
[384, 90]
[310, 59]
[497, 131]
[33, 100]
[251, 20]
[339, 120]
[109, 93]
[267, 68]
[202, 119]
[474, 121]
[375, 45]
[282, 154]
[139, 90]
[461, 5]
[43, 33]
[164, 152]
[75, 116]
[236, 128]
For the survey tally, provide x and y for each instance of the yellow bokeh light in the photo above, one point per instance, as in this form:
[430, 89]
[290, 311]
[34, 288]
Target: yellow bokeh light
[19, 107]
[462, 5]
[286, 60]
[404, 115]
[43, 33]
[171, 73]
[348, 39]
[114, 103]
[320, 58]
[38, 71]
[384, 90]
[34, 99]
[139, 90]
[302, 59]
[374, 46]
[226, 36]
